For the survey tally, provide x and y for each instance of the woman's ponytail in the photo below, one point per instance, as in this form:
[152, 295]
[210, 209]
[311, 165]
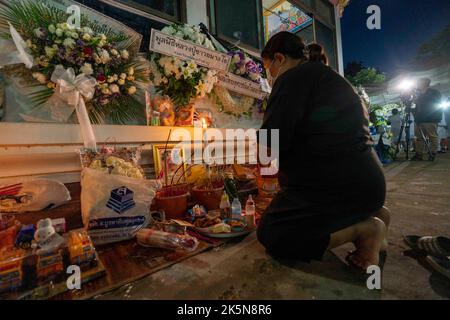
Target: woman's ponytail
[317, 53]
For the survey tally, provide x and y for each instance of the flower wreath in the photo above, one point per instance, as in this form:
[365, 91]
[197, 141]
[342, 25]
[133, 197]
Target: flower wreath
[235, 104]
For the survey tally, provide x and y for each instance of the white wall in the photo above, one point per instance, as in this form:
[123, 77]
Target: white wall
[340, 51]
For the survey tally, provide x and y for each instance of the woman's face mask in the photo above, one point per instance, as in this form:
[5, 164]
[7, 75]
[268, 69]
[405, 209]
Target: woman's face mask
[271, 78]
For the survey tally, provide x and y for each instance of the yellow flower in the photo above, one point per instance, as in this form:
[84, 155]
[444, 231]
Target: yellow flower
[132, 90]
[51, 85]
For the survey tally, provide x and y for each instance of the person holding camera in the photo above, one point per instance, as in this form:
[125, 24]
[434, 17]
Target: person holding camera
[427, 116]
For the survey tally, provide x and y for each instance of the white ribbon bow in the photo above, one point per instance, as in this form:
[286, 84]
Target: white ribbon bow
[75, 90]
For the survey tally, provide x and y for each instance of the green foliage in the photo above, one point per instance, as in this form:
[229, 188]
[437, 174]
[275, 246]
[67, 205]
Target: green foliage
[365, 77]
[26, 16]
[379, 114]
[436, 51]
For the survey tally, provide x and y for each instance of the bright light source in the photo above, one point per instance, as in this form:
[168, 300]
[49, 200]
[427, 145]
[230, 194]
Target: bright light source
[406, 85]
[445, 105]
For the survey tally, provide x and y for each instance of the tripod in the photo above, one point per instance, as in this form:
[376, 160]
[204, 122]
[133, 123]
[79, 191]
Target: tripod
[405, 129]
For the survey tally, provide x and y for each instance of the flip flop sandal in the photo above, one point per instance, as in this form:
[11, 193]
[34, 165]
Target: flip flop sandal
[440, 265]
[433, 246]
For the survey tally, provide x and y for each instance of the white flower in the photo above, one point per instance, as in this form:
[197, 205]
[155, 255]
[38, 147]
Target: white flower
[187, 72]
[59, 32]
[74, 35]
[193, 66]
[236, 58]
[69, 43]
[106, 91]
[125, 54]
[110, 79]
[121, 82]
[168, 30]
[123, 76]
[29, 43]
[105, 57]
[52, 28]
[40, 77]
[103, 37]
[66, 26]
[114, 52]
[87, 37]
[132, 90]
[39, 33]
[131, 71]
[200, 89]
[114, 88]
[87, 69]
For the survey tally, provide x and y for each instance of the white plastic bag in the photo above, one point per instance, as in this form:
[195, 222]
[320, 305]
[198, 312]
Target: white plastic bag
[26, 195]
[115, 207]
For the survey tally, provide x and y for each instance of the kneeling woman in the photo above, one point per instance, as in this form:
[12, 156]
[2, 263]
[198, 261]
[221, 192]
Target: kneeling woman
[333, 186]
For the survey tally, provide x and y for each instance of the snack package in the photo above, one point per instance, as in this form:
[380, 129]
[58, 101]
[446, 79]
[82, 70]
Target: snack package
[165, 240]
[27, 195]
[115, 207]
[8, 232]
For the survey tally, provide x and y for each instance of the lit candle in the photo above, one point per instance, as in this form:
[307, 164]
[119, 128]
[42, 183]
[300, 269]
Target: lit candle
[204, 124]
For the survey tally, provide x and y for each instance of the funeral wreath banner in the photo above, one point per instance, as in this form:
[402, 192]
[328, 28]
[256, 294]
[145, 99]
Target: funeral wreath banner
[175, 47]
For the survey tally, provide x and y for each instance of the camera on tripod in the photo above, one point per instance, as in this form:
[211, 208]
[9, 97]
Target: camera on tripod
[408, 98]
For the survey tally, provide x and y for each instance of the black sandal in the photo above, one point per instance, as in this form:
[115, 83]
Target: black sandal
[440, 265]
[433, 246]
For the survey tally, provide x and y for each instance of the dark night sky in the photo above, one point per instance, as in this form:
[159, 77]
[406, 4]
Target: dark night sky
[405, 25]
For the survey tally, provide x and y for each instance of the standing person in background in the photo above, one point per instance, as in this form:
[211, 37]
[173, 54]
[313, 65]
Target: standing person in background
[317, 53]
[427, 116]
[395, 121]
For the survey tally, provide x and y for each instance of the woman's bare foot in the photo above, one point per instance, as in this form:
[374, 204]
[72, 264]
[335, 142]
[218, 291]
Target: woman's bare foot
[368, 243]
[384, 214]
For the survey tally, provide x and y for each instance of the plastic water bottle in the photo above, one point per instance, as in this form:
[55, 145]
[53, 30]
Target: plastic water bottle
[250, 211]
[236, 209]
[250, 206]
[225, 207]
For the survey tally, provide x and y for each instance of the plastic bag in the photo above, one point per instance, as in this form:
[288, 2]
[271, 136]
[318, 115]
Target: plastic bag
[115, 207]
[28, 195]
[165, 240]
